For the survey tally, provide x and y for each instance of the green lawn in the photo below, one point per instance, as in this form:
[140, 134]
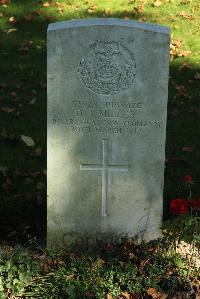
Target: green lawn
[23, 26]
[134, 272]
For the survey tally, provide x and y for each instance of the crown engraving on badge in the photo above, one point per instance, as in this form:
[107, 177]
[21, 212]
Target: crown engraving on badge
[108, 67]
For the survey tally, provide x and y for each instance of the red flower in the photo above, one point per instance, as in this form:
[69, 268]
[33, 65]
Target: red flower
[179, 206]
[187, 178]
[195, 203]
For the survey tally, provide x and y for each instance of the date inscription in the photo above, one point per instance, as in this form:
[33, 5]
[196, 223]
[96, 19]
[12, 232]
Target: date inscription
[122, 118]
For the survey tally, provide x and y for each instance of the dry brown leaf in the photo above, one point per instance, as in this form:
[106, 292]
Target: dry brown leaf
[188, 149]
[142, 19]
[154, 293]
[7, 109]
[59, 4]
[174, 48]
[4, 2]
[183, 92]
[28, 17]
[11, 30]
[157, 3]
[126, 295]
[38, 12]
[197, 76]
[36, 152]
[184, 53]
[186, 16]
[1, 14]
[107, 11]
[60, 10]
[109, 296]
[92, 8]
[184, 2]
[7, 136]
[98, 263]
[46, 4]
[185, 65]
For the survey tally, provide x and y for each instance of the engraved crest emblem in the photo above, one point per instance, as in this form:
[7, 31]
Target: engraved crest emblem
[107, 68]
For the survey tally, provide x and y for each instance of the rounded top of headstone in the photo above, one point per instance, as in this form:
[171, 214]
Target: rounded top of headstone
[106, 22]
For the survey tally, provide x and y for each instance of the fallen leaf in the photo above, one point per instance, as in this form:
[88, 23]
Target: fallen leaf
[197, 76]
[157, 3]
[98, 263]
[36, 152]
[38, 12]
[92, 8]
[183, 92]
[4, 2]
[13, 94]
[172, 18]
[184, 2]
[32, 102]
[154, 293]
[7, 109]
[126, 295]
[174, 48]
[12, 20]
[11, 30]
[140, 9]
[7, 136]
[190, 81]
[186, 16]
[107, 11]
[185, 65]
[1, 14]
[28, 140]
[188, 149]
[60, 10]
[46, 4]
[109, 296]
[184, 53]
[59, 4]
[28, 17]
[3, 169]
[176, 27]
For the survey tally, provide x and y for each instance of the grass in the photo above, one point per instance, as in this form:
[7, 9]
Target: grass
[126, 270]
[23, 27]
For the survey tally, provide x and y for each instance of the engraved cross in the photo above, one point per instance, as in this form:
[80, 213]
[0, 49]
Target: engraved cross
[105, 168]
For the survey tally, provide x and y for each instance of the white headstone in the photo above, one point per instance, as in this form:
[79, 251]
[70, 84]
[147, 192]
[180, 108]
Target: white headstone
[107, 108]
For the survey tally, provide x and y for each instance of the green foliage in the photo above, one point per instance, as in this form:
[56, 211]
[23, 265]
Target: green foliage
[95, 276]
[125, 268]
[185, 227]
[16, 271]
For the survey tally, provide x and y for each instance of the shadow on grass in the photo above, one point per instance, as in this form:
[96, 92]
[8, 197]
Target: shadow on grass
[23, 88]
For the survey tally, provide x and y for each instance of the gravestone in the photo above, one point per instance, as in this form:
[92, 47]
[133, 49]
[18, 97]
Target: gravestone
[107, 108]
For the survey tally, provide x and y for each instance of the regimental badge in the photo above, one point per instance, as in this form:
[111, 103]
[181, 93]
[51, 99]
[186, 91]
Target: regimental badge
[107, 68]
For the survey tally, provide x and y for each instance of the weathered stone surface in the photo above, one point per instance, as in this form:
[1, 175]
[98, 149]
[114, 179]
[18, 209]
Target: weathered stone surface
[107, 107]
